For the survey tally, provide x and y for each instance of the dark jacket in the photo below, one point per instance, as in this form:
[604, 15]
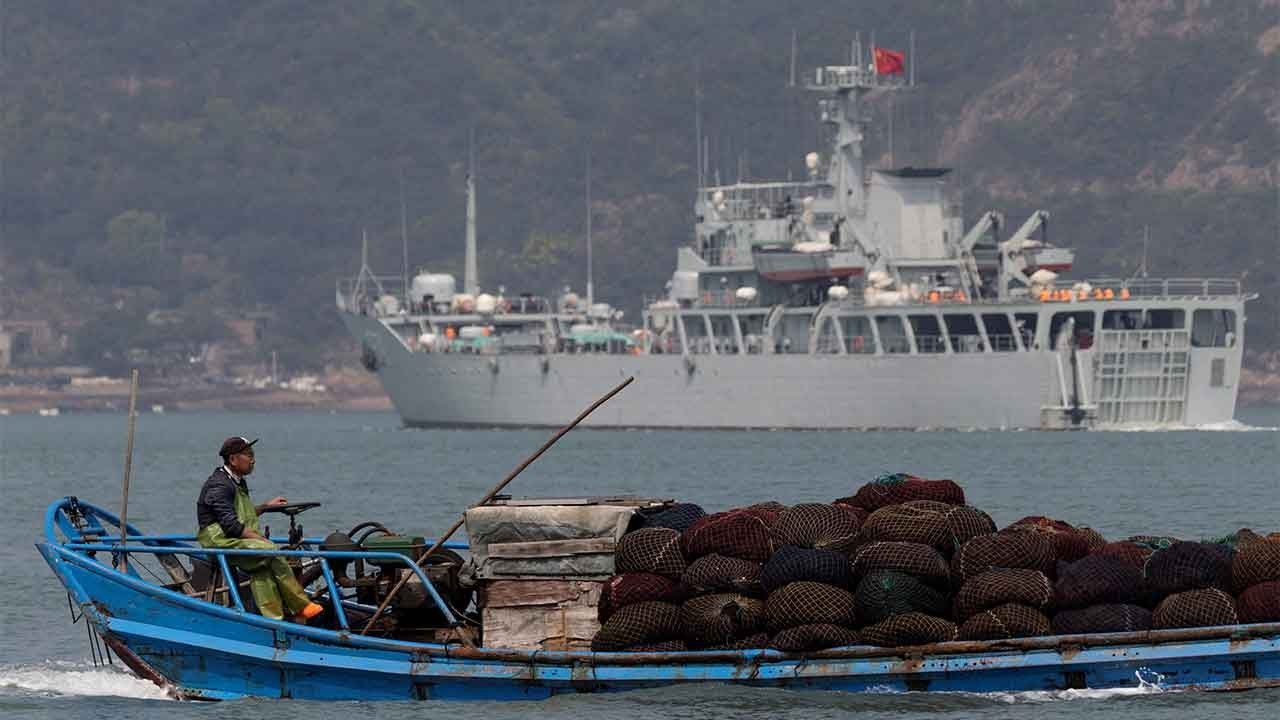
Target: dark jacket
[217, 503]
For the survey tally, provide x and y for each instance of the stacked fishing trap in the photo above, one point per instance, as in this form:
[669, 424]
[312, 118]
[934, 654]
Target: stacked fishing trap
[904, 561]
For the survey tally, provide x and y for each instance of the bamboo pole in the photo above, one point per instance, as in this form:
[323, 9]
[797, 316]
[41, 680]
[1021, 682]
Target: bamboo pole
[497, 489]
[128, 469]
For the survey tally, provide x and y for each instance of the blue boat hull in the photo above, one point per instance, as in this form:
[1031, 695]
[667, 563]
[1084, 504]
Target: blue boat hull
[204, 651]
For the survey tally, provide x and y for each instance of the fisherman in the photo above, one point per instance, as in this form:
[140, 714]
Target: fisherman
[228, 519]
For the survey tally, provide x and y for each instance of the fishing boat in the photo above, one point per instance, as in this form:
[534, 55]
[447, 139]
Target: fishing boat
[163, 606]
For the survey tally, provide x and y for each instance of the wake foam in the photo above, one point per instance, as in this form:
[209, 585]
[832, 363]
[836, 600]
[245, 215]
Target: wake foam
[1225, 426]
[67, 678]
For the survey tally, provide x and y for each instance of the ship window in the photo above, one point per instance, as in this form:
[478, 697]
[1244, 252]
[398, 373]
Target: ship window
[999, 332]
[1027, 324]
[963, 332]
[857, 334]
[1083, 329]
[1164, 319]
[893, 336]
[1121, 319]
[928, 334]
[1213, 328]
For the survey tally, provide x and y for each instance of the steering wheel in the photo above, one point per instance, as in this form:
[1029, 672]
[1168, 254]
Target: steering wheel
[290, 509]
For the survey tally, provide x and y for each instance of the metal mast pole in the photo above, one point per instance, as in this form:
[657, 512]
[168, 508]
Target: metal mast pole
[591, 297]
[470, 278]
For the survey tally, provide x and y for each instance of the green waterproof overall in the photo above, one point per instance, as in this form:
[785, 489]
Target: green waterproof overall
[271, 578]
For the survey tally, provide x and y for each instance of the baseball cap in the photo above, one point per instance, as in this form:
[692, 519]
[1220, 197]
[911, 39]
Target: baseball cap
[235, 444]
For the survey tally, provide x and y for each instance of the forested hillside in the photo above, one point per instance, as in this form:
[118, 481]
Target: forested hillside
[222, 158]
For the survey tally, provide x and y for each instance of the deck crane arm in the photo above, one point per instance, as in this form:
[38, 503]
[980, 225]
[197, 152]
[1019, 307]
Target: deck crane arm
[1013, 264]
[991, 221]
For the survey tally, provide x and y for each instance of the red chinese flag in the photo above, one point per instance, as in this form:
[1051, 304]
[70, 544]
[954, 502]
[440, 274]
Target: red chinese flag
[889, 62]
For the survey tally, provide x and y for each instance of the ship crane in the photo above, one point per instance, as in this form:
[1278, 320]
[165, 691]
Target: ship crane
[991, 221]
[1013, 261]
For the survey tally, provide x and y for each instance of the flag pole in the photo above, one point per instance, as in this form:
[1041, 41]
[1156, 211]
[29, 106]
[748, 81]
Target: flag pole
[128, 468]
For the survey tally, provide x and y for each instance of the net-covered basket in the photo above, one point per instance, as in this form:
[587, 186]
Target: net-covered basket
[1195, 608]
[818, 636]
[908, 629]
[1132, 553]
[884, 593]
[719, 573]
[1102, 619]
[792, 564]
[1005, 622]
[1029, 550]
[817, 526]
[663, 646]
[678, 516]
[1260, 603]
[650, 550]
[641, 623]
[1256, 562]
[857, 513]
[1098, 580]
[1068, 544]
[756, 641]
[720, 619]
[769, 511]
[630, 588]
[1092, 538]
[1189, 566]
[809, 603]
[941, 525]
[897, 488]
[738, 533]
[915, 559]
[1001, 586]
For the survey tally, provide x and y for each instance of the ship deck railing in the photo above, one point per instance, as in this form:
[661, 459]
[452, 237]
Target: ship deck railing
[1122, 290]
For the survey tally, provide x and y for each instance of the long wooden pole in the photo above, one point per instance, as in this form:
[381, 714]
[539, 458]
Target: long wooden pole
[497, 489]
[128, 468]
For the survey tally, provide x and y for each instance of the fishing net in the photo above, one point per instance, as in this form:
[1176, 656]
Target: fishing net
[1029, 550]
[857, 513]
[1256, 563]
[751, 642]
[1096, 580]
[720, 619]
[1068, 544]
[1260, 603]
[1005, 622]
[718, 573]
[911, 558]
[1092, 538]
[928, 522]
[638, 624]
[630, 588]
[1195, 608]
[663, 646]
[768, 510]
[816, 526]
[650, 550]
[1131, 553]
[897, 488]
[792, 564]
[817, 636]
[1155, 542]
[1002, 586]
[808, 603]
[1188, 566]
[737, 533]
[911, 628]
[1102, 619]
[676, 517]
[885, 593]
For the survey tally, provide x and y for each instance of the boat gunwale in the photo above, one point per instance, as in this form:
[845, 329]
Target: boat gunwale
[1056, 643]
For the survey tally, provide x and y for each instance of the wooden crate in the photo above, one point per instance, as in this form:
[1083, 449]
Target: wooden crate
[540, 614]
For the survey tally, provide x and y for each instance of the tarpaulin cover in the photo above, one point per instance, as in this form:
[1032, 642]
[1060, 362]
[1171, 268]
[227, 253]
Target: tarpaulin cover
[487, 524]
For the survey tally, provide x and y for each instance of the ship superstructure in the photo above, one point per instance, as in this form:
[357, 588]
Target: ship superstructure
[854, 298]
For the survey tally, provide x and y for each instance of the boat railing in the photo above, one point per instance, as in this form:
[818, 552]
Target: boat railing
[90, 529]
[1148, 288]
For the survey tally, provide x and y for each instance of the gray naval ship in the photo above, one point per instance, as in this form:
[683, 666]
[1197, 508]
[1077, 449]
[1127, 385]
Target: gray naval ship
[855, 298]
